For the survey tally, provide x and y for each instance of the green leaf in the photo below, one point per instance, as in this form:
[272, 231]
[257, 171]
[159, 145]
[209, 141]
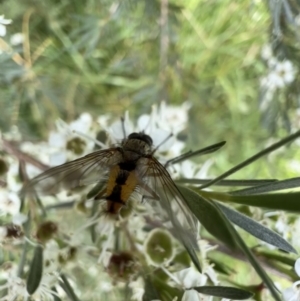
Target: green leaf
[210, 216]
[259, 270]
[242, 182]
[279, 201]
[207, 150]
[257, 229]
[224, 292]
[278, 185]
[22, 260]
[220, 266]
[61, 205]
[64, 283]
[35, 271]
[276, 256]
[55, 296]
[223, 223]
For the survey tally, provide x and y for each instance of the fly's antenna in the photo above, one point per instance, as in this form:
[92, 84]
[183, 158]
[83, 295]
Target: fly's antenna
[164, 141]
[123, 127]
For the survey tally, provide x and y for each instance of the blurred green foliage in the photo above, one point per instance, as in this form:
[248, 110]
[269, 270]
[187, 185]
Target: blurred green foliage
[108, 57]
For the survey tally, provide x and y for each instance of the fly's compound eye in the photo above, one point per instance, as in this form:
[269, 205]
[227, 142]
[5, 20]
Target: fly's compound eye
[141, 136]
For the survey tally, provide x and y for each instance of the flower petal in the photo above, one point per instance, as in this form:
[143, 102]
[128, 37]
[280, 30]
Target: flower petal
[297, 266]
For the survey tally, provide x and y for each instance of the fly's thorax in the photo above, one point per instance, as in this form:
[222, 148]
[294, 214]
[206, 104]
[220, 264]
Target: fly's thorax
[137, 146]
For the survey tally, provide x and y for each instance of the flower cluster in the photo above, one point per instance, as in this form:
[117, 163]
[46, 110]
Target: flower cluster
[121, 246]
[281, 74]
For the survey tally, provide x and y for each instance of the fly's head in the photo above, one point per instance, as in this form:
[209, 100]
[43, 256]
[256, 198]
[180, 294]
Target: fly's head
[140, 143]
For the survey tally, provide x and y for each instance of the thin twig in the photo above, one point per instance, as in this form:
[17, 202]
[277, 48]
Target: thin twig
[11, 149]
[3, 183]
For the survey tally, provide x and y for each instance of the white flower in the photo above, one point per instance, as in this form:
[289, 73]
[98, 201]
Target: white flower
[207, 268]
[105, 228]
[266, 52]
[192, 295]
[71, 140]
[293, 293]
[286, 70]
[3, 22]
[51, 256]
[19, 219]
[281, 225]
[138, 290]
[156, 127]
[276, 80]
[173, 118]
[13, 180]
[281, 74]
[189, 278]
[119, 129]
[10, 202]
[272, 62]
[3, 233]
[15, 287]
[17, 39]
[106, 286]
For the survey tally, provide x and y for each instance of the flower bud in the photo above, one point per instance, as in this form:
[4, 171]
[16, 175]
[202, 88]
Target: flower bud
[159, 247]
[122, 266]
[46, 231]
[76, 145]
[3, 167]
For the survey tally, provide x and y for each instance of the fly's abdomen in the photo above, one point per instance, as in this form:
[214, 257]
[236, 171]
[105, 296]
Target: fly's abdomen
[120, 186]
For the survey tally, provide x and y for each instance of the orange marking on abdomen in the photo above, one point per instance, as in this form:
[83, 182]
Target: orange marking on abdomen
[111, 183]
[129, 186]
[120, 186]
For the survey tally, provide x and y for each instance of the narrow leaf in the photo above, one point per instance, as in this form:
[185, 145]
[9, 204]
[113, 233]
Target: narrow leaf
[276, 256]
[55, 295]
[279, 201]
[61, 205]
[257, 229]
[207, 150]
[64, 283]
[253, 158]
[209, 215]
[238, 240]
[228, 183]
[224, 292]
[35, 271]
[22, 261]
[253, 261]
[279, 185]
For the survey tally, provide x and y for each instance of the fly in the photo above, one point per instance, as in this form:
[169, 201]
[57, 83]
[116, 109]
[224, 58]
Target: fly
[126, 169]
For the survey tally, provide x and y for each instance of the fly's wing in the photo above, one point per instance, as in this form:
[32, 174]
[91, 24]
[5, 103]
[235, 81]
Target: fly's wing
[83, 171]
[171, 199]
